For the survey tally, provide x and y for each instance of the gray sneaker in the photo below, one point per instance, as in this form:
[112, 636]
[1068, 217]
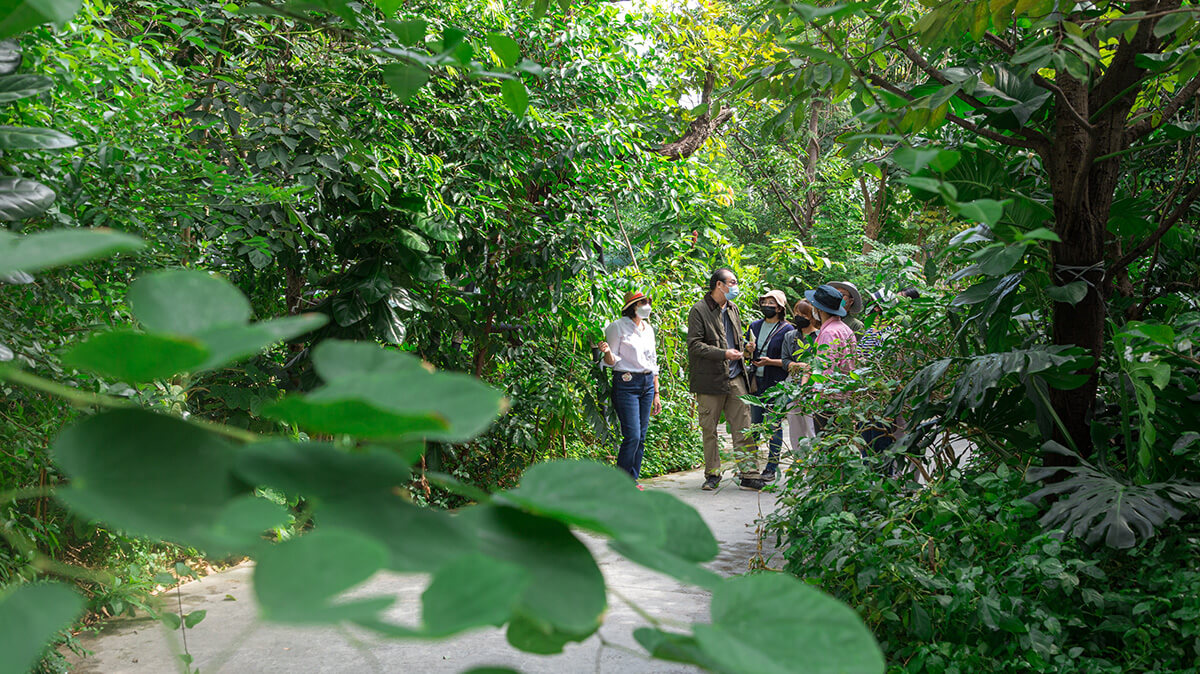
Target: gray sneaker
[711, 482]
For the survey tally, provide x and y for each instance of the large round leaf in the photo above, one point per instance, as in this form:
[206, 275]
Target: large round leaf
[567, 594]
[30, 615]
[16, 87]
[472, 591]
[29, 138]
[56, 247]
[297, 581]
[590, 495]
[319, 471]
[773, 623]
[135, 357]
[231, 343]
[419, 539]
[149, 474]
[397, 398]
[184, 302]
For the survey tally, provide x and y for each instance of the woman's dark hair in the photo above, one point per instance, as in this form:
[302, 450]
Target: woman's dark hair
[911, 293]
[631, 310]
[717, 277]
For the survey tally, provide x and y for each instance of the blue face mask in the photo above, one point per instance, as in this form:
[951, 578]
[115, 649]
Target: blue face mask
[732, 292]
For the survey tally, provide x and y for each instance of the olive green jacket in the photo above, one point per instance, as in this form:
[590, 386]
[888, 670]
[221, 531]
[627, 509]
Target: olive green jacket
[708, 371]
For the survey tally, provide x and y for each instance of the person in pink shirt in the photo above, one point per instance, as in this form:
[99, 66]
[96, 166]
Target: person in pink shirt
[836, 337]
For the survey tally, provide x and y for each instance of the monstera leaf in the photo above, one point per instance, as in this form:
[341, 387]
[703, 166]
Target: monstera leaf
[1096, 506]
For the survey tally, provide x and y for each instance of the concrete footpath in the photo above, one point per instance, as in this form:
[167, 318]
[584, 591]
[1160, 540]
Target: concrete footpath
[232, 638]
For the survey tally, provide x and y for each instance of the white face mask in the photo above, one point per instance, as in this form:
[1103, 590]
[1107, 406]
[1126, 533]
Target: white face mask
[643, 311]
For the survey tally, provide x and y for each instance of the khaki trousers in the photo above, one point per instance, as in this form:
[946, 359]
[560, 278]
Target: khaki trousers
[737, 420]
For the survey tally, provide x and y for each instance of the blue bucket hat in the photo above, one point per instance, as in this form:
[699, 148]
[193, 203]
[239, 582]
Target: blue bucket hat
[827, 299]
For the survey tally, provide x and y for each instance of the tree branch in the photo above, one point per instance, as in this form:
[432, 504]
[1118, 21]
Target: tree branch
[970, 126]
[701, 128]
[1169, 222]
[771, 182]
[915, 57]
[1143, 125]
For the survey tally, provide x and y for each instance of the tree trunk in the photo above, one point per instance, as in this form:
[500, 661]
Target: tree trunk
[813, 151]
[873, 209]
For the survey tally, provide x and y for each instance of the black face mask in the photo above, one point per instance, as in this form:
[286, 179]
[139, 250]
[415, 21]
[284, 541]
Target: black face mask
[769, 312]
[801, 322]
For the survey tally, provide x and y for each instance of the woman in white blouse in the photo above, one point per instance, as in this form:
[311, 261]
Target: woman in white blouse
[630, 351]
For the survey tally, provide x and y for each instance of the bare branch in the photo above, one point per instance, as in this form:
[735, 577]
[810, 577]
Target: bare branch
[1143, 125]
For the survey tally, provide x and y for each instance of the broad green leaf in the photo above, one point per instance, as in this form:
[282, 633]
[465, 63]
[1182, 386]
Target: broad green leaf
[29, 138]
[773, 623]
[997, 260]
[532, 636]
[297, 581]
[540, 7]
[409, 32]
[1155, 332]
[231, 343]
[915, 159]
[194, 618]
[342, 411]
[179, 490]
[20, 198]
[567, 593]
[589, 495]
[662, 560]
[244, 520]
[987, 211]
[1171, 23]
[388, 7]
[398, 524]
[515, 97]
[18, 16]
[392, 401]
[320, 472]
[505, 47]
[336, 359]
[1039, 234]
[1068, 294]
[186, 302]
[30, 616]
[472, 591]
[931, 185]
[405, 79]
[59, 247]
[136, 357]
[673, 647]
[16, 87]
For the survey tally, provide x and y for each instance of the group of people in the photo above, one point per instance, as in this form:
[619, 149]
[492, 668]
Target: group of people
[728, 362]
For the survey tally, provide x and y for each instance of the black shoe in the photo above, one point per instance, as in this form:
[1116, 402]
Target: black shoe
[751, 483]
[711, 482]
[768, 476]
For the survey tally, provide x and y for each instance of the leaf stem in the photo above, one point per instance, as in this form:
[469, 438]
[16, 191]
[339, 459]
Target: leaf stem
[89, 399]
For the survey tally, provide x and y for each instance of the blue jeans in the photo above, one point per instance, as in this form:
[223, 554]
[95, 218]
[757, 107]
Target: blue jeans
[632, 400]
[759, 415]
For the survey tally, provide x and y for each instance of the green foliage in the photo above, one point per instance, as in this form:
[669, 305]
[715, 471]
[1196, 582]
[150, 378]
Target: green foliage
[956, 576]
[29, 616]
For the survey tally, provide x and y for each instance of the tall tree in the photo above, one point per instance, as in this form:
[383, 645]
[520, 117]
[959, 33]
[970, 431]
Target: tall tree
[1075, 86]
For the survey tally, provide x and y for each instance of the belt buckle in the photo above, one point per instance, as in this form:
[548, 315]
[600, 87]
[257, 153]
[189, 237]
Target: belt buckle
[625, 376]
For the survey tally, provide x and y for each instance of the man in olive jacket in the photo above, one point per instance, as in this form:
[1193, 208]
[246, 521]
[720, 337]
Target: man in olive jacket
[717, 375]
